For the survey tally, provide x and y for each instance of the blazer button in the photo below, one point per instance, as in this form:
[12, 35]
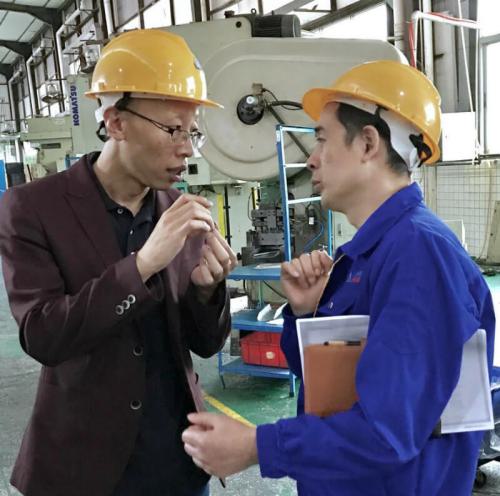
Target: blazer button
[138, 351]
[119, 310]
[135, 404]
[131, 299]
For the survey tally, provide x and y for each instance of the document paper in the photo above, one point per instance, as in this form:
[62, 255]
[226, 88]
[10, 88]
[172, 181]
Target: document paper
[470, 406]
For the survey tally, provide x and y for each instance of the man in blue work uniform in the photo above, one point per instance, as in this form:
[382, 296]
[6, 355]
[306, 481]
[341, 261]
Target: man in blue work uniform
[408, 272]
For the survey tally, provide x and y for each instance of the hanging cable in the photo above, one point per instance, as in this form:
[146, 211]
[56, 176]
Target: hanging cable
[292, 136]
[434, 17]
[309, 244]
[286, 104]
[322, 221]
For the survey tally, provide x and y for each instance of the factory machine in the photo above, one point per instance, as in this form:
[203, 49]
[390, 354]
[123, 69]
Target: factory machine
[258, 68]
[265, 241]
[54, 142]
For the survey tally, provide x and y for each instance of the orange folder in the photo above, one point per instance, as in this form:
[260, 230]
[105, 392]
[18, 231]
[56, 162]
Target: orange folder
[329, 376]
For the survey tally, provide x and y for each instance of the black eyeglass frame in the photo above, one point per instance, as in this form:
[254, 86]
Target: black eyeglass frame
[194, 136]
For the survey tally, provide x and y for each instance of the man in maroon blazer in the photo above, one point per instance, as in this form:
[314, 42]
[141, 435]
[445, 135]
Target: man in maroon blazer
[113, 278]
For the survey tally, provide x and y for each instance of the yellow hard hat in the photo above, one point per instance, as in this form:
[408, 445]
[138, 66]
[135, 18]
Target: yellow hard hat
[150, 62]
[394, 86]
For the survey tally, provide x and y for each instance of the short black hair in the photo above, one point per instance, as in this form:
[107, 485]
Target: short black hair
[354, 120]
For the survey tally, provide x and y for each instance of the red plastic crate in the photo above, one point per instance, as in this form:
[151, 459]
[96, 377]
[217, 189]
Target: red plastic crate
[263, 348]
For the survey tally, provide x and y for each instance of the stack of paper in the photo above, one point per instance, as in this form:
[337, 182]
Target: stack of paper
[470, 406]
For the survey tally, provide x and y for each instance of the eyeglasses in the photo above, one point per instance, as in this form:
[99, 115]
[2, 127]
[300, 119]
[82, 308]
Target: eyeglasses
[178, 135]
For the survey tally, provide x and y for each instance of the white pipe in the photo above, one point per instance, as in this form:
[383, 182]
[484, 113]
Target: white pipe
[29, 62]
[399, 24]
[466, 64]
[417, 15]
[19, 157]
[108, 18]
[11, 98]
[32, 89]
[466, 23]
[428, 41]
[59, 33]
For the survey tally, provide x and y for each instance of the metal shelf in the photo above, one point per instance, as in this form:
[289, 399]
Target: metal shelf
[246, 320]
[285, 201]
[238, 366]
[255, 273]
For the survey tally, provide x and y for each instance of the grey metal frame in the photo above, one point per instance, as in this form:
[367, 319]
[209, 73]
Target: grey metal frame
[484, 43]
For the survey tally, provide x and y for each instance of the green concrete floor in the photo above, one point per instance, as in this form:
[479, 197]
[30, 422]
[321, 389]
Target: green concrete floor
[259, 401]
[256, 399]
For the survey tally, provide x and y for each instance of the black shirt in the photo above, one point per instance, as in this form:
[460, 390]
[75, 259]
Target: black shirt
[159, 466]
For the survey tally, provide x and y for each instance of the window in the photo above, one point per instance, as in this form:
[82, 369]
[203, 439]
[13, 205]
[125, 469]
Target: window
[270, 5]
[491, 107]
[488, 15]
[51, 68]
[157, 16]
[183, 12]
[320, 6]
[124, 11]
[370, 24]
[135, 23]
[242, 7]
[4, 101]
[488, 12]
[27, 107]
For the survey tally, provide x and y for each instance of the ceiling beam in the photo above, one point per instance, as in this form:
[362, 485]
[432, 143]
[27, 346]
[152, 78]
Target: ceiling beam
[6, 70]
[19, 47]
[349, 10]
[48, 16]
[291, 6]
[314, 11]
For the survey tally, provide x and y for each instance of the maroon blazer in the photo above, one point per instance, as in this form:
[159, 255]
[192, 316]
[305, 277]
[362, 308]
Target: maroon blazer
[67, 284]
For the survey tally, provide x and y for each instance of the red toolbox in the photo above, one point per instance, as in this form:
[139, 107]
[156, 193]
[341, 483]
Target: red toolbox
[263, 348]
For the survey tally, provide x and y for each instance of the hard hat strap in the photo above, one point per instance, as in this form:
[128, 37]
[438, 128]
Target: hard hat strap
[118, 100]
[101, 132]
[106, 100]
[423, 149]
[122, 103]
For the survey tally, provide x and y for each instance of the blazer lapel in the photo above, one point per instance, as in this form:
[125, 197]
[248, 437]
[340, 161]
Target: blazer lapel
[170, 275]
[85, 200]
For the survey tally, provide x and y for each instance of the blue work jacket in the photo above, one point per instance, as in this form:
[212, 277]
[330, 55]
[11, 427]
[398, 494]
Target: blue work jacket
[425, 298]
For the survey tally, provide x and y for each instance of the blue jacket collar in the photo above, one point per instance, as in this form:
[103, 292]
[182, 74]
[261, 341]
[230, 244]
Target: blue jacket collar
[382, 220]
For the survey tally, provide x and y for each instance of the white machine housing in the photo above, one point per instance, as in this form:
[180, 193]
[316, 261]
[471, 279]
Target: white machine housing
[288, 67]
[59, 137]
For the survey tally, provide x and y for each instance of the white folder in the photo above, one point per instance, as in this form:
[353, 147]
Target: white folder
[470, 406]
